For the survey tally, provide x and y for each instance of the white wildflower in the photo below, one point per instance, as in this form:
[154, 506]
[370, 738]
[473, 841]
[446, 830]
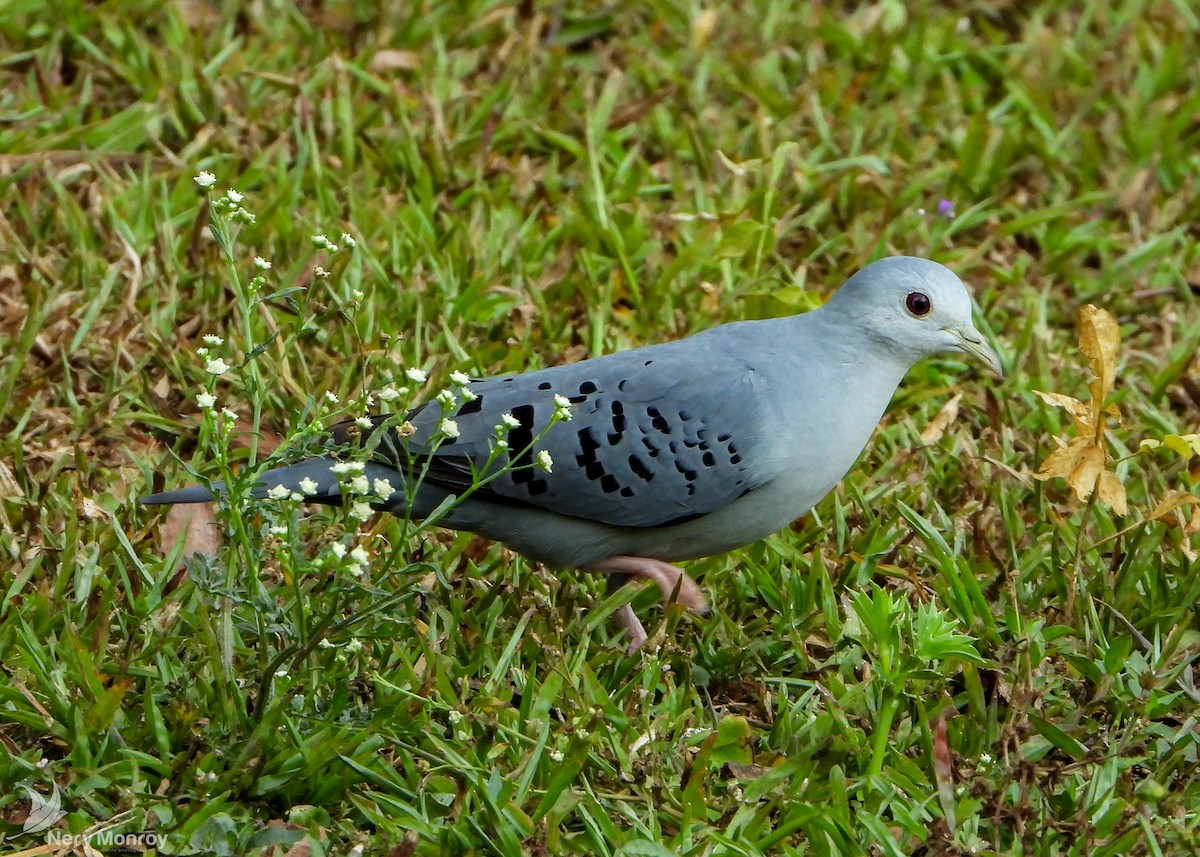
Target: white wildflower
[344, 467]
[320, 273]
[449, 428]
[417, 376]
[206, 401]
[205, 179]
[467, 395]
[382, 488]
[544, 461]
[320, 240]
[358, 485]
[459, 378]
[361, 510]
[338, 549]
[213, 339]
[502, 445]
[363, 422]
[278, 530]
[230, 416]
[556, 755]
[261, 263]
[233, 196]
[348, 240]
[331, 397]
[308, 486]
[216, 366]
[389, 394]
[354, 645]
[360, 555]
[281, 673]
[446, 398]
[509, 420]
[279, 492]
[357, 295]
[202, 351]
[562, 407]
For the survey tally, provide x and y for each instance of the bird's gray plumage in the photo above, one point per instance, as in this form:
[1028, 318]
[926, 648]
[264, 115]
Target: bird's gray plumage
[676, 450]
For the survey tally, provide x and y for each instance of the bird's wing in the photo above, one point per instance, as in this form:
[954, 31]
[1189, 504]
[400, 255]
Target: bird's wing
[657, 436]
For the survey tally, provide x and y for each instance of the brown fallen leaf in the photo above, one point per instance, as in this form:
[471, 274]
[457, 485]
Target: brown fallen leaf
[936, 427]
[196, 525]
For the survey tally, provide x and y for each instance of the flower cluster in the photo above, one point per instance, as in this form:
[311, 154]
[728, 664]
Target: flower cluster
[230, 203]
[354, 559]
[323, 242]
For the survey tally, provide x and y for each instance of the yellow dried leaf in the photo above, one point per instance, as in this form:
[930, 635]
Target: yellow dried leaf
[1088, 467]
[1062, 462]
[1172, 501]
[937, 426]
[1080, 413]
[1112, 492]
[1099, 339]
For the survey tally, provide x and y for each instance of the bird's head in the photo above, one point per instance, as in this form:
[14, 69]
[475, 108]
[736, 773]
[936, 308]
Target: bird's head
[914, 308]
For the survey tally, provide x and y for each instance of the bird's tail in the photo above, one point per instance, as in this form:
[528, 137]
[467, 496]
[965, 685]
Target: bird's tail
[318, 470]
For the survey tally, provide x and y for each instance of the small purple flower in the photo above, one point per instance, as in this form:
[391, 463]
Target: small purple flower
[946, 208]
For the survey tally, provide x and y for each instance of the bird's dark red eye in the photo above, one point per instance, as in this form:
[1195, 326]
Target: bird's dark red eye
[918, 303]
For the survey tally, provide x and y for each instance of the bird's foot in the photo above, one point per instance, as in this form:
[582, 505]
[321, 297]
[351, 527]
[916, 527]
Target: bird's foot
[633, 628]
[672, 582]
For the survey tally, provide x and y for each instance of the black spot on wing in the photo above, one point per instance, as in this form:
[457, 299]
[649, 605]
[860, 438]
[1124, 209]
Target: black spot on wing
[545, 385]
[688, 473]
[657, 421]
[640, 469]
[588, 387]
[520, 439]
[587, 447]
[618, 423]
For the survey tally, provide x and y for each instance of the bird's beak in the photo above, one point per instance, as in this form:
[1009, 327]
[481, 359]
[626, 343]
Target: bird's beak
[972, 342]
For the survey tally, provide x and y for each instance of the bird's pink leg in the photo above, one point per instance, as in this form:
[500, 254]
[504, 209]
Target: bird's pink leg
[671, 581]
[633, 627]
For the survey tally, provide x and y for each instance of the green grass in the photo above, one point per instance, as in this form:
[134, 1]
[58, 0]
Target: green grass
[534, 183]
